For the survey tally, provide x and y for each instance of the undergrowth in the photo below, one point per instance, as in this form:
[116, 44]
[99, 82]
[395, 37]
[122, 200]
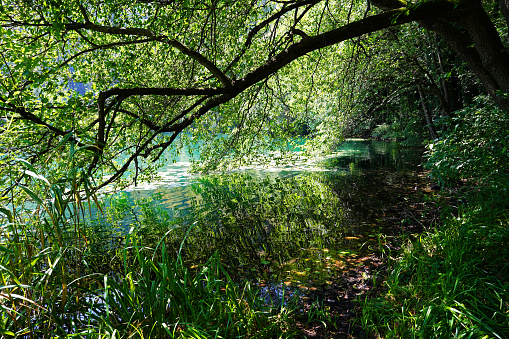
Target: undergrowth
[453, 282]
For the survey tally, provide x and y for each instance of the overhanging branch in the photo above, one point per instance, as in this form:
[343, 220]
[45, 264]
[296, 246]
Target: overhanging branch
[352, 30]
[164, 91]
[134, 31]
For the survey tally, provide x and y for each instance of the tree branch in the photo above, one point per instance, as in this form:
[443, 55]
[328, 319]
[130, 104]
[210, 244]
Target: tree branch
[164, 91]
[107, 46]
[161, 38]
[349, 31]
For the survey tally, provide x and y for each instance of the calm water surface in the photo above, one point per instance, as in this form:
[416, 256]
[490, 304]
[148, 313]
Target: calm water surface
[297, 225]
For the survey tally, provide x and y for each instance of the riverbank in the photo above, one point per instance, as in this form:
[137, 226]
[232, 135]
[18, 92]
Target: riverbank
[450, 281]
[443, 273]
[417, 211]
[389, 248]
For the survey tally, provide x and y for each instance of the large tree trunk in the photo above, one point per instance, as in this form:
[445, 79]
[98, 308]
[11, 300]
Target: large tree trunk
[478, 44]
[471, 33]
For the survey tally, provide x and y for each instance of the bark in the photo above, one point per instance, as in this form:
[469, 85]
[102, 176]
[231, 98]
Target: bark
[478, 44]
[388, 4]
[494, 56]
[427, 115]
[462, 45]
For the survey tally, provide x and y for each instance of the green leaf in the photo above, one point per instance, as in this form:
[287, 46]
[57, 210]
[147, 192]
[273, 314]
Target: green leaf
[7, 213]
[26, 164]
[31, 194]
[36, 176]
[6, 332]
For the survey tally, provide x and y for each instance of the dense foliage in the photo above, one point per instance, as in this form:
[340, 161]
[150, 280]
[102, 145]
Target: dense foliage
[474, 148]
[232, 77]
[101, 93]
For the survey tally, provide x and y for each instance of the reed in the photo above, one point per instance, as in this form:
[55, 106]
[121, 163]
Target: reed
[52, 284]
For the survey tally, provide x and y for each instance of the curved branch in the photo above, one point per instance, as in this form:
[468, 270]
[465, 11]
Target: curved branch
[97, 47]
[294, 51]
[227, 82]
[164, 91]
[161, 38]
[352, 30]
[110, 29]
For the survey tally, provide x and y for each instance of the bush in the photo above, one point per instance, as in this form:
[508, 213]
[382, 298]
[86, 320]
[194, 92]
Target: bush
[475, 147]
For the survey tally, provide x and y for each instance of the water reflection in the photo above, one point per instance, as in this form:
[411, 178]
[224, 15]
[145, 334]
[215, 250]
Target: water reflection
[366, 154]
[294, 228]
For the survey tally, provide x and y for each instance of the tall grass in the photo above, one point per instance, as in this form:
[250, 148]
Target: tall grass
[41, 247]
[451, 283]
[51, 285]
[157, 296]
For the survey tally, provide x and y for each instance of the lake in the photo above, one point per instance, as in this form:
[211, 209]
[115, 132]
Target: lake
[298, 225]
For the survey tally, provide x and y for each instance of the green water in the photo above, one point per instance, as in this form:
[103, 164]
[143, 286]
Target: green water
[297, 225]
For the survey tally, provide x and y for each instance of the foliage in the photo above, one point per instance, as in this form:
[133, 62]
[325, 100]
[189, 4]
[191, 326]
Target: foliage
[473, 148]
[43, 245]
[409, 132]
[231, 77]
[157, 296]
[150, 70]
[449, 283]
[405, 84]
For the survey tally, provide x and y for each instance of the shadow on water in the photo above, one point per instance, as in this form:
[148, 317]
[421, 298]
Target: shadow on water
[288, 229]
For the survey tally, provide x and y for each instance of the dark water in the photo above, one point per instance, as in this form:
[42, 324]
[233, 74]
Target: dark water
[299, 226]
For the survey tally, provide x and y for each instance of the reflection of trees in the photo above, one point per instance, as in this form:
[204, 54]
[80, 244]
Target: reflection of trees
[376, 154]
[252, 218]
[268, 223]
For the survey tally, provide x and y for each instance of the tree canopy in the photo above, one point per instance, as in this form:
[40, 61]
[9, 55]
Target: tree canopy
[106, 84]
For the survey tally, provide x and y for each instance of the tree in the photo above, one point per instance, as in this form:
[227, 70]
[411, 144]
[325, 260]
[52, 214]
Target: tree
[408, 80]
[158, 68]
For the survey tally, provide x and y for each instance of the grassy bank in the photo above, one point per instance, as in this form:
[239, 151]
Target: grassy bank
[56, 281]
[57, 291]
[452, 282]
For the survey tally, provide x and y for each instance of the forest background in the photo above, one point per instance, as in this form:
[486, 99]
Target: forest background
[238, 79]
